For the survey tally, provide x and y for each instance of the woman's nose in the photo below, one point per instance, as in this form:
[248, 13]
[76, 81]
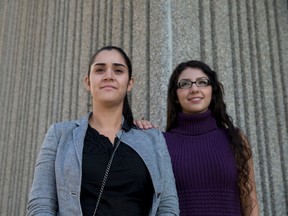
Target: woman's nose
[109, 74]
[194, 88]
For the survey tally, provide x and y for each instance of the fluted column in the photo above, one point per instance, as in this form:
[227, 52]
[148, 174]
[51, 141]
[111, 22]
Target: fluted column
[45, 48]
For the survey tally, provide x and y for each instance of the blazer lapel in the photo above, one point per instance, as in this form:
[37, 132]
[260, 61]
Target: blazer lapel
[79, 134]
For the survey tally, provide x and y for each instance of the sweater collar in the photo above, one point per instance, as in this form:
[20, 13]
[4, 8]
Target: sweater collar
[194, 124]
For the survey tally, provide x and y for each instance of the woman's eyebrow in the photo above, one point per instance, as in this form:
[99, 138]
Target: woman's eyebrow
[196, 78]
[99, 64]
[119, 64]
[114, 64]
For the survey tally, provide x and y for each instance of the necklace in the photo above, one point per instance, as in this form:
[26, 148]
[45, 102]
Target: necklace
[106, 174]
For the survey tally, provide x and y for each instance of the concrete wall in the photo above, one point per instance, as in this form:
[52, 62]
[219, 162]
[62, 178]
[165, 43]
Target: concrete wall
[44, 51]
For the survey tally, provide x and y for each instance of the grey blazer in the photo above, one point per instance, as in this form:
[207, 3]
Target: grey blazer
[58, 171]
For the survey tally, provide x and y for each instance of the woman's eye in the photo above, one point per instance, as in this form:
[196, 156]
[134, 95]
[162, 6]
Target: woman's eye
[184, 84]
[202, 82]
[119, 71]
[99, 70]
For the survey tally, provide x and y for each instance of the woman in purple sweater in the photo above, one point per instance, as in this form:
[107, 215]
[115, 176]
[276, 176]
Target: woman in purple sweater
[211, 158]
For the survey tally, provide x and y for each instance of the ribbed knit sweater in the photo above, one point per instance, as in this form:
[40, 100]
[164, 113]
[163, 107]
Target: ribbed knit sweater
[204, 166]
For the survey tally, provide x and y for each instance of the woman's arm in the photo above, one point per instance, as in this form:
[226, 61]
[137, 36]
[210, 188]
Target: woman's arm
[169, 200]
[255, 205]
[43, 196]
[253, 195]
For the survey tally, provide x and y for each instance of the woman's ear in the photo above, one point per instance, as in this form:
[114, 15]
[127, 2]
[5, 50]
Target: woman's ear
[87, 83]
[130, 84]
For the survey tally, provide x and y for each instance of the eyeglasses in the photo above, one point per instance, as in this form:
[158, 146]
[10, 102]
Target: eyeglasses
[187, 84]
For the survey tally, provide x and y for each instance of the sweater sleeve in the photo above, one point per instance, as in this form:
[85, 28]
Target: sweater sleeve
[168, 198]
[43, 196]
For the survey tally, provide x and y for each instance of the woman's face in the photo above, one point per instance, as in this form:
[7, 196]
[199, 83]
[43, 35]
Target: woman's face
[109, 81]
[196, 99]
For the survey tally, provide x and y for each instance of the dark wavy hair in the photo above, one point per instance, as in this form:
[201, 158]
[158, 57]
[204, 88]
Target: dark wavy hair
[239, 143]
[127, 112]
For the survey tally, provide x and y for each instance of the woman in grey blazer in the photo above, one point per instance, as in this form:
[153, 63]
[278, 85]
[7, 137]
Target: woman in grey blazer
[102, 164]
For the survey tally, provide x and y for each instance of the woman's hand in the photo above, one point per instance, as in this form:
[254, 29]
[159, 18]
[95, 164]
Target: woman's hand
[144, 124]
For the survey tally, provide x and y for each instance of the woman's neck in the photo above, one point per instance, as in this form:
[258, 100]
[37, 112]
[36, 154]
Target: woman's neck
[106, 121]
[194, 124]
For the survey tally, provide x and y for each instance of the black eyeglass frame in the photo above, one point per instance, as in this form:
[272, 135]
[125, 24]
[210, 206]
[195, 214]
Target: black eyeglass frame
[196, 83]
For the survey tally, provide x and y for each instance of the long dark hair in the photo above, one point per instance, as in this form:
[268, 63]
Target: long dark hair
[127, 112]
[238, 141]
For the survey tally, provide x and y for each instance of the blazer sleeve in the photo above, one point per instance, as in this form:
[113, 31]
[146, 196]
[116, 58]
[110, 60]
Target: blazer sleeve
[168, 198]
[43, 196]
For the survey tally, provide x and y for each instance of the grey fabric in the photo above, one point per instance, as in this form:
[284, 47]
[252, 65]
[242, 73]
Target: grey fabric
[57, 179]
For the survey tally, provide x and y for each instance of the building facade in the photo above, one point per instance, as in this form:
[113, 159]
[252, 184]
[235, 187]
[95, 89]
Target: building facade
[45, 48]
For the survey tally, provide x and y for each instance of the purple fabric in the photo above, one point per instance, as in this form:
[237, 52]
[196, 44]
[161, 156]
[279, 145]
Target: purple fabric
[204, 166]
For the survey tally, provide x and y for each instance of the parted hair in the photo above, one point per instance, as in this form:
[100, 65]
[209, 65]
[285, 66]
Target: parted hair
[127, 112]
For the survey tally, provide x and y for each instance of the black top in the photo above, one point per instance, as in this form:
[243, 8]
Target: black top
[128, 190]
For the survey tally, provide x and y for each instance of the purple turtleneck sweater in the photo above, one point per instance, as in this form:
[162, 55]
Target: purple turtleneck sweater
[204, 166]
